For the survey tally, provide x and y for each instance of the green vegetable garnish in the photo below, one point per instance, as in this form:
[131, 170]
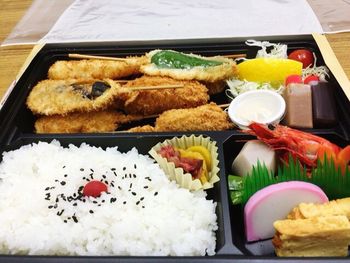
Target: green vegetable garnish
[178, 60]
[326, 176]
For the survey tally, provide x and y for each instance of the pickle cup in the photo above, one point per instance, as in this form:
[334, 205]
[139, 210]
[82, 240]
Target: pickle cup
[183, 179]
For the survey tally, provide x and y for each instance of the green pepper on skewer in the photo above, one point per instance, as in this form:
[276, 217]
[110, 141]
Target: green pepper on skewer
[178, 60]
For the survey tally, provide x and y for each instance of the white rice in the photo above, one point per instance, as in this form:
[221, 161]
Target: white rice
[172, 221]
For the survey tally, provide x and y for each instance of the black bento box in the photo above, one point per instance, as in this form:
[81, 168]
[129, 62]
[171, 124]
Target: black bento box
[17, 125]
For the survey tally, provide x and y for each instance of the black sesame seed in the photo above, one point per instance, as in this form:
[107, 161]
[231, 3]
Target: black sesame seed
[84, 200]
[47, 188]
[50, 207]
[75, 204]
[91, 212]
[112, 184]
[65, 175]
[115, 174]
[59, 213]
[113, 199]
[104, 176]
[82, 169]
[74, 194]
[91, 176]
[143, 206]
[95, 202]
[113, 169]
[155, 193]
[130, 185]
[63, 166]
[57, 200]
[56, 180]
[124, 168]
[134, 175]
[124, 202]
[75, 219]
[106, 182]
[99, 205]
[65, 221]
[142, 198]
[87, 179]
[119, 187]
[138, 202]
[92, 170]
[133, 193]
[84, 178]
[103, 201]
[63, 183]
[135, 166]
[69, 218]
[146, 186]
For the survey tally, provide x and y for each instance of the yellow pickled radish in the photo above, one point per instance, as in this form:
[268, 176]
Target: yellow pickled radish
[204, 152]
[203, 177]
[272, 70]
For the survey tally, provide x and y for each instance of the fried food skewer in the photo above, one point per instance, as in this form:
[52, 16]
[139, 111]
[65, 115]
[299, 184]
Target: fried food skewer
[89, 69]
[85, 122]
[82, 56]
[209, 117]
[51, 97]
[149, 102]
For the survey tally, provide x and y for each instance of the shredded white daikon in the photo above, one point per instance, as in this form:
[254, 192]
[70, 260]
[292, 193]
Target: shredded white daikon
[320, 71]
[277, 51]
[237, 87]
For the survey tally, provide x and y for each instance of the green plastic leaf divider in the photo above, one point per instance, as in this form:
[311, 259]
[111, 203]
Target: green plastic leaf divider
[325, 175]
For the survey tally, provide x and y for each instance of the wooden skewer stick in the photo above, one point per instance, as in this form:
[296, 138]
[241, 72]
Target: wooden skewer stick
[157, 115]
[224, 105]
[122, 80]
[81, 56]
[175, 86]
[96, 57]
[235, 56]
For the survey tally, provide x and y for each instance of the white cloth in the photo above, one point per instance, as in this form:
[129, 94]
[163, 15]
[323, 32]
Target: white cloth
[129, 20]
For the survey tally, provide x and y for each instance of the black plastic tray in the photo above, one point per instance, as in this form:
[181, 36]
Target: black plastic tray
[17, 124]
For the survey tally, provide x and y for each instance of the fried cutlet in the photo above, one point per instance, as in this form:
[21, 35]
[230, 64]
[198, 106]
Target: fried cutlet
[209, 117]
[95, 69]
[50, 97]
[99, 121]
[148, 102]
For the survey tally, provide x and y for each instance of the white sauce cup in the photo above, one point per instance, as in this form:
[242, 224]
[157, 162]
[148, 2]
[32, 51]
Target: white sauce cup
[262, 106]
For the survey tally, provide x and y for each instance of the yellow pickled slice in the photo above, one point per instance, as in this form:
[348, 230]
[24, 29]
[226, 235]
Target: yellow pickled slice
[272, 70]
[204, 152]
[204, 174]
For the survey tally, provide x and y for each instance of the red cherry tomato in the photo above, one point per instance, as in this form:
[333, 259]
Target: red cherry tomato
[293, 79]
[304, 56]
[94, 188]
[310, 78]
